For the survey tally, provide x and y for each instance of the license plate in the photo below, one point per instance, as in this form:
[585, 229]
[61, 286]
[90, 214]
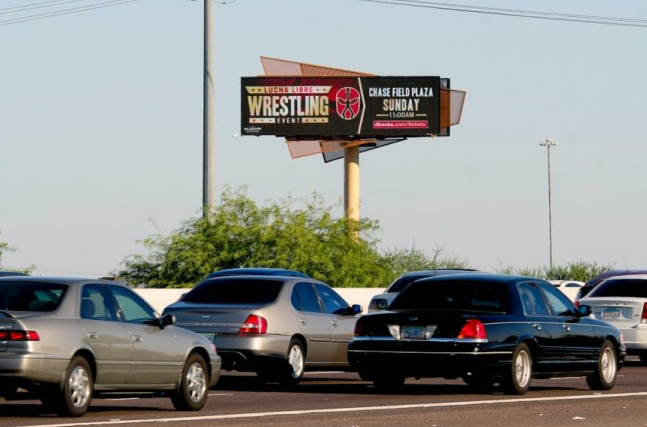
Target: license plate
[610, 313]
[208, 335]
[413, 332]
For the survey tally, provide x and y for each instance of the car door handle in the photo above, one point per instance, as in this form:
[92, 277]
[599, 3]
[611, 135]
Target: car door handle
[567, 328]
[536, 326]
[137, 338]
[303, 321]
[93, 335]
[335, 323]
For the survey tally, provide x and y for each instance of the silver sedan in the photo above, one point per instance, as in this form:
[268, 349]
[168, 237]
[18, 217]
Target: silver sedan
[69, 340]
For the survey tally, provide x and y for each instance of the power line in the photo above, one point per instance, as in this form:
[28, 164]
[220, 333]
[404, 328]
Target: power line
[32, 6]
[622, 22]
[65, 12]
[531, 12]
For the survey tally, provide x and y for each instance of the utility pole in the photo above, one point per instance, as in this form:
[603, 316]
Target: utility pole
[351, 186]
[208, 125]
[549, 143]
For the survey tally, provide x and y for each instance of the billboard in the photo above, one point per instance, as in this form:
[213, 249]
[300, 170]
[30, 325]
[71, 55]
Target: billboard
[340, 107]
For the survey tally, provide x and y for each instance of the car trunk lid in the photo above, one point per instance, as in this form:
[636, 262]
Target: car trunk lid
[418, 324]
[212, 319]
[623, 312]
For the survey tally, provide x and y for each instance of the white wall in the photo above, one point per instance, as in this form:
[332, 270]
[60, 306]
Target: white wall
[160, 298]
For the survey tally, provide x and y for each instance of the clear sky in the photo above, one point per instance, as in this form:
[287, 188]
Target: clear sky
[101, 127]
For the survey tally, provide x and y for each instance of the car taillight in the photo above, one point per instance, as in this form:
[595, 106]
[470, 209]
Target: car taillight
[643, 318]
[360, 329]
[19, 336]
[473, 329]
[254, 325]
[577, 304]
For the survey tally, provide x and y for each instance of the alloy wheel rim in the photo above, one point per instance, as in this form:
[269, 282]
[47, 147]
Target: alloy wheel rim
[79, 384]
[295, 359]
[608, 365]
[196, 382]
[522, 368]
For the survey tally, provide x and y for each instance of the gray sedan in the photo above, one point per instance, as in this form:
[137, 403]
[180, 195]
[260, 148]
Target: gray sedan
[68, 340]
[276, 326]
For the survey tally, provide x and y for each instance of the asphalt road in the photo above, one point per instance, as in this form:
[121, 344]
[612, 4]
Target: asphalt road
[342, 399]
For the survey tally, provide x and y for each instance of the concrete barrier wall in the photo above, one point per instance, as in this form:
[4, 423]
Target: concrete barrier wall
[160, 298]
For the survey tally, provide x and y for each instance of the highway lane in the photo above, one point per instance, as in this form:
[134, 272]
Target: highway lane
[342, 399]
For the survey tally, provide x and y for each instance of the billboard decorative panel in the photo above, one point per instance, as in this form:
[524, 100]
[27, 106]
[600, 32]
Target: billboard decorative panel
[340, 107]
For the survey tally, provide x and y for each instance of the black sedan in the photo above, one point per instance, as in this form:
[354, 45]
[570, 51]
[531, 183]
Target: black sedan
[485, 329]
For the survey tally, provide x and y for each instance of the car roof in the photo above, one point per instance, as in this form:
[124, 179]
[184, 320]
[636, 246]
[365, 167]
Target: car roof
[4, 273]
[56, 279]
[439, 272]
[257, 272]
[628, 277]
[612, 273]
[480, 277]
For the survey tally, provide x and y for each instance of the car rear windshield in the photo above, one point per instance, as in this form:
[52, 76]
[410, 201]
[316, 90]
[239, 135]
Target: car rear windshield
[401, 284]
[235, 291]
[636, 288]
[453, 295]
[31, 296]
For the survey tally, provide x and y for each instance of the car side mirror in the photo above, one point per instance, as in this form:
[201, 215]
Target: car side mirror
[166, 320]
[584, 310]
[355, 309]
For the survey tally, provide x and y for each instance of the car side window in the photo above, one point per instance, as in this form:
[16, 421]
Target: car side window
[96, 304]
[294, 299]
[532, 300]
[309, 300]
[559, 303]
[133, 308]
[333, 303]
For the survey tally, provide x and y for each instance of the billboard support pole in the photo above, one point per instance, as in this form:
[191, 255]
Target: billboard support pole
[351, 185]
[208, 126]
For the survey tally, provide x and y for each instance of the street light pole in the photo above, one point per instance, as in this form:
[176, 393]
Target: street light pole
[208, 127]
[549, 143]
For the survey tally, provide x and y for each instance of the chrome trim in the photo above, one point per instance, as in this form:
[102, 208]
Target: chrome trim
[474, 353]
[442, 340]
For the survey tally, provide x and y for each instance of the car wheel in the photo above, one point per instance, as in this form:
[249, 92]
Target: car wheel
[388, 381]
[192, 390]
[606, 372]
[517, 379]
[295, 364]
[74, 397]
[479, 382]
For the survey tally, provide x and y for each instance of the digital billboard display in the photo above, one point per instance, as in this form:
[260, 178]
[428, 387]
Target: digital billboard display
[340, 107]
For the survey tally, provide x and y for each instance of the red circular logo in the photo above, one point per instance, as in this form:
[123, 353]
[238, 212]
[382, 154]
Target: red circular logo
[348, 102]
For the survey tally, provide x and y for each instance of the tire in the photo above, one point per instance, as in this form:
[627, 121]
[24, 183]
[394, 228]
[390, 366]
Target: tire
[388, 382]
[193, 388]
[606, 372]
[517, 379]
[73, 399]
[477, 382]
[295, 364]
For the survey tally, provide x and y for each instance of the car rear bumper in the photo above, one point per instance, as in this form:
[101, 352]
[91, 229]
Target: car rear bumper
[635, 339]
[249, 353]
[24, 370]
[441, 361]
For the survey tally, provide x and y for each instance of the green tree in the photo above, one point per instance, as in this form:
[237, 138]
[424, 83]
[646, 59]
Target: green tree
[404, 260]
[581, 270]
[280, 235]
[5, 248]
